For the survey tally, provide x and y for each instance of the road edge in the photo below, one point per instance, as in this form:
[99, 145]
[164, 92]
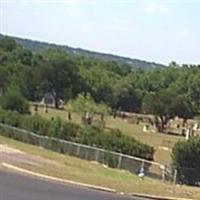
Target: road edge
[89, 186]
[155, 197]
[51, 178]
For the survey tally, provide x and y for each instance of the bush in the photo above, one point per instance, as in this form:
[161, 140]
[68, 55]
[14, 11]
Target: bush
[10, 118]
[110, 160]
[85, 103]
[112, 140]
[35, 124]
[186, 159]
[69, 131]
[14, 101]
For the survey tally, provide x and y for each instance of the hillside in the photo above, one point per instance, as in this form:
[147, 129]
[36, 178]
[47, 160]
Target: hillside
[37, 46]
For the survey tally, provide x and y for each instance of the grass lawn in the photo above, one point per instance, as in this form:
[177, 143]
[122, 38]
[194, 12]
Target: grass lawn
[156, 140]
[93, 173]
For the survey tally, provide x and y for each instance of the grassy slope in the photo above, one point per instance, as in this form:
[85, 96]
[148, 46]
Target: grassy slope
[154, 139]
[93, 173]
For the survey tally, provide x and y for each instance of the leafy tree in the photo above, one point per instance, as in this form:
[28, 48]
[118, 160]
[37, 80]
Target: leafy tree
[166, 105]
[128, 101]
[24, 56]
[3, 78]
[57, 75]
[7, 43]
[194, 89]
[174, 64]
[85, 103]
[112, 83]
[22, 79]
[14, 101]
[100, 83]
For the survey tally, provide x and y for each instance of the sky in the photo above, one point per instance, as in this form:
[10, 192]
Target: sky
[154, 30]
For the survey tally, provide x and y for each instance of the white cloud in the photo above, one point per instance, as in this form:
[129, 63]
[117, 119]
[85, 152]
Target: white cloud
[156, 8]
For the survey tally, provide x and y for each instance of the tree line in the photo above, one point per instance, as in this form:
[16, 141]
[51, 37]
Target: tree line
[165, 92]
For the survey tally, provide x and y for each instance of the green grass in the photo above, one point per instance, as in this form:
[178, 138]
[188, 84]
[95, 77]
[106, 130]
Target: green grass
[93, 173]
[133, 130]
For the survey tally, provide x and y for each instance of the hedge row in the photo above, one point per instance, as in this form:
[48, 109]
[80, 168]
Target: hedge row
[111, 140]
[186, 159]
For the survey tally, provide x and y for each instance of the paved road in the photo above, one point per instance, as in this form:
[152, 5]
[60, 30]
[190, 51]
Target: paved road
[18, 187]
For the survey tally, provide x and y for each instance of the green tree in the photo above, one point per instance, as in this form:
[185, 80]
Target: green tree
[24, 56]
[22, 79]
[194, 89]
[3, 78]
[166, 105]
[14, 101]
[85, 103]
[7, 43]
[100, 83]
[58, 75]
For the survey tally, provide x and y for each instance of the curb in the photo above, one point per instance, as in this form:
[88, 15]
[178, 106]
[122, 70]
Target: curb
[156, 197]
[105, 189]
[15, 168]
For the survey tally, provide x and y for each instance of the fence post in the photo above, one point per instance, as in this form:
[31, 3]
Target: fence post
[78, 150]
[174, 180]
[175, 176]
[97, 155]
[119, 161]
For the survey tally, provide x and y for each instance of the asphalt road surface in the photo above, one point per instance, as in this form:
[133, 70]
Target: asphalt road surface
[19, 187]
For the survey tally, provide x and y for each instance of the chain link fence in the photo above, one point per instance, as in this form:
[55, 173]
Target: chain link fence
[112, 159]
[187, 176]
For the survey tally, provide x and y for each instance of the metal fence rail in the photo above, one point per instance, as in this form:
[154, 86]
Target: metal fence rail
[112, 159]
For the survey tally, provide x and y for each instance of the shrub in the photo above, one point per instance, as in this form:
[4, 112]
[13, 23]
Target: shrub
[55, 127]
[35, 124]
[12, 100]
[112, 140]
[69, 131]
[110, 160]
[10, 118]
[186, 159]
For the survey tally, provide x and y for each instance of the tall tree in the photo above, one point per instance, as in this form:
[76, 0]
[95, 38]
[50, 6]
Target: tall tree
[58, 75]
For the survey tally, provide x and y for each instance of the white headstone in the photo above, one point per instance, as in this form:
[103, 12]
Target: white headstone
[195, 127]
[187, 134]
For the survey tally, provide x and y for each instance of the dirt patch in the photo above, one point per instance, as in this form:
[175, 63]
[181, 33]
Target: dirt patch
[15, 156]
[9, 150]
[165, 148]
